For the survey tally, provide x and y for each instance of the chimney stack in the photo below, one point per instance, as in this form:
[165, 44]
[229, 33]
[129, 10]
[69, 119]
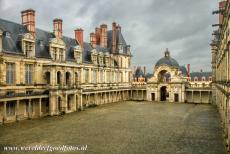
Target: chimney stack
[188, 69]
[222, 5]
[93, 40]
[103, 36]
[79, 37]
[144, 70]
[98, 32]
[28, 19]
[57, 28]
[114, 37]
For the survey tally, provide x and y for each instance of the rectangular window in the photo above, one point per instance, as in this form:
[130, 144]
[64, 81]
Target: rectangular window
[101, 76]
[61, 57]
[55, 54]
[28, 49]
[10, 73]
[94, 76]
[28, 73]
[86, 76]
[10, 108]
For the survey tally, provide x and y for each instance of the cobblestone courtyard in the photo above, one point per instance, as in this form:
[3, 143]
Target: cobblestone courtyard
[130, 127]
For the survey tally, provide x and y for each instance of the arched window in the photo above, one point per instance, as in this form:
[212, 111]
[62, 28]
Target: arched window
[67, 78]
[58, 77]
[59, 104]
[47, 77]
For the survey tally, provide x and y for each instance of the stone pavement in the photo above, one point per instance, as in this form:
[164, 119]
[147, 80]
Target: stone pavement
[126, 127]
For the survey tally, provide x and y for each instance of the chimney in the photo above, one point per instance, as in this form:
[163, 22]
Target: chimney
[222, 5]
[114, 37]
[28, 19]
[118, 28]
[57, 28]
[103, 36]
[98, 32]
[144, 70]
[188, 69]
[79, 37]
[93, 40]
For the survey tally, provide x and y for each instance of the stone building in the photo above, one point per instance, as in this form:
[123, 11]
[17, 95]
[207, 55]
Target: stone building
[220, 66]
[45, 73]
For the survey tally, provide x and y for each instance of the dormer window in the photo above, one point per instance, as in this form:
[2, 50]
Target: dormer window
[61, 56]
[7, 34]
[120, 48]
[203, 78]
[78, 54]
[41, 43]
[55, 54]
[196, 79]
[28, 49]
[128, 49]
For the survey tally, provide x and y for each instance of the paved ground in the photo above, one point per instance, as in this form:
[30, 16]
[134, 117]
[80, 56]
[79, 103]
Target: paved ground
[131, 127]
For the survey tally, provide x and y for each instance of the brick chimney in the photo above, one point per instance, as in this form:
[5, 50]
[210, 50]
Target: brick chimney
[93, 40]
[221, 7]
[114, 37]
[79, 37]
[28, 19]
[103, 36]
[98, 32]
[188, 69]
[57, 28]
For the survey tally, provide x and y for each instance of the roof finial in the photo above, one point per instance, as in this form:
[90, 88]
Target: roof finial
[167, 53]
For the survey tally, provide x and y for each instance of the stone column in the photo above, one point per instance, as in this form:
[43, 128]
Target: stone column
[74, 102]
[80, 96]
[142, 94]
[40, 107]
[200, 97]
[192, 97]
[17, 108]
[4, 112]
[30, 109]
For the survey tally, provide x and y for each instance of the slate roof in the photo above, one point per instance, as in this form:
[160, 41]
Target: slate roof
[138, 73]
[200, 75]
[11, 43]
[167, 61]
[183, 70]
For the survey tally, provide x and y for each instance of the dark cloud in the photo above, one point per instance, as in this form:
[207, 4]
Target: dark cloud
[149, 26]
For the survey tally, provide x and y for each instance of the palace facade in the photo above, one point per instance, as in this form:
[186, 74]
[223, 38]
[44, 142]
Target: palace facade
[221, 66]
[172, 82]
[45, 73]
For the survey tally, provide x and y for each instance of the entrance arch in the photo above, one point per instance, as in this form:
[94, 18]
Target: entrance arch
[163, 93]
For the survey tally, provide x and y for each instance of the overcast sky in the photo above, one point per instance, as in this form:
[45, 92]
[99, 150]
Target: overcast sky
[149, 26]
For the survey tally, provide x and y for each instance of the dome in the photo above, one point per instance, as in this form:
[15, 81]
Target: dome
[167, 60]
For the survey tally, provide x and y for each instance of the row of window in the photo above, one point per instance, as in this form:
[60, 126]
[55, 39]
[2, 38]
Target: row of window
[104, 76]
[10, 73]
[202, 79]
[11, 107]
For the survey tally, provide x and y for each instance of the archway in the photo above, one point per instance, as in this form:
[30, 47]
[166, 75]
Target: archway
[163, 92]
[164, 76]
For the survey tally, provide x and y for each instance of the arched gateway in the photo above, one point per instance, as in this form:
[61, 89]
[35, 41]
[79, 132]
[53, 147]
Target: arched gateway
[168, 82]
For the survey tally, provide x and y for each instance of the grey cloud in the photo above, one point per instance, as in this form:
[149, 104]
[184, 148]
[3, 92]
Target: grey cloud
[149, 26]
